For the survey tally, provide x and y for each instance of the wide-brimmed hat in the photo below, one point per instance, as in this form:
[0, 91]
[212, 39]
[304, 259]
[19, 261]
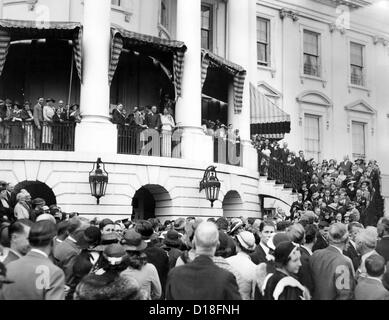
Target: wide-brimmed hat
[332, 206]
[351, 182]
[46, 216]
[246, 240]
[106, 240]
[172, 238]
[114, 254]
[132, 241]
[50, 100]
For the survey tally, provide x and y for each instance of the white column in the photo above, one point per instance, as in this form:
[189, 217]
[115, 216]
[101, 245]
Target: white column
[241, 20]
[96, 132]
[195, 145]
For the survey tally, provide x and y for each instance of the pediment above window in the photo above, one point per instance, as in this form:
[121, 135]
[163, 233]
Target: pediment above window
[314, 97]
[360, 106]
[268, 90]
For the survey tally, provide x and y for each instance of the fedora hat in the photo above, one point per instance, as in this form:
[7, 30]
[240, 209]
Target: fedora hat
[172, 239]
[132, 241]
[246, 240]
[106, 240]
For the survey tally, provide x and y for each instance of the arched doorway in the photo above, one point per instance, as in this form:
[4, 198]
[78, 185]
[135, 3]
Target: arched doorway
[151, 201]
[37, 189]
[232, 204]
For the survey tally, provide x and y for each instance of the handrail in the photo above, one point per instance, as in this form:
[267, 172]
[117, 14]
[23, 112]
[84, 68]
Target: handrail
[282, 173]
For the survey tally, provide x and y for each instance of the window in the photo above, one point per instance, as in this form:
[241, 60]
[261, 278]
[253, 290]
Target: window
[312, 137]
[164, 14]
[311, 53]
[263, 41]
[206, 27]
[358, 131]
[356, 61]
[116, 2]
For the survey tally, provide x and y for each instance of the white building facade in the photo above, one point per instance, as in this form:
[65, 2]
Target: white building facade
[326, 63]
[330, 76]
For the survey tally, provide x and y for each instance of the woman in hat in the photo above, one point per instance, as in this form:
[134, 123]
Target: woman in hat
[74, 114]
[283, 284]
[172, 245]
[28, 118]
[109, 284]
[16, 130]
[138, 268]
[47, 131]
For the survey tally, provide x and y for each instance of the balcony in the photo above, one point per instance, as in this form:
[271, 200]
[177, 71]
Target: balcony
[26, 136]
[148, 142]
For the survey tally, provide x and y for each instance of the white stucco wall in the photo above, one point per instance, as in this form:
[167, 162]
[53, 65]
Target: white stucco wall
[67, 174]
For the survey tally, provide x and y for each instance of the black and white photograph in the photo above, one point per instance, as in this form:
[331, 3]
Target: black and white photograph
[207, 151]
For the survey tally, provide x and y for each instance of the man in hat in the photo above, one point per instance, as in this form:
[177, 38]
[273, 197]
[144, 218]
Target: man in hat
[155, 255]
[333, 273]
[66, 252]
[245, 244]
[296, 206]
[35, 277]
[202, 279]
[38, 120]
[37, 205]
[172, 244]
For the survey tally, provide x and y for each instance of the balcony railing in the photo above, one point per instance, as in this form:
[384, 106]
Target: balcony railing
[26, 136]
[149, 142]
[227, 152]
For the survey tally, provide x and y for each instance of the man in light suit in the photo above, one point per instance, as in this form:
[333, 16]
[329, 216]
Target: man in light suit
[202, 279]
[333, 273]
[38, 120]
[371, 287]
[34, 276]
[345, 165]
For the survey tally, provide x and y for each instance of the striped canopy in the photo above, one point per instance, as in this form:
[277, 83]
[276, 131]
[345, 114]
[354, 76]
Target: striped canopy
[170, 52]
[13, 30]
[239, 74]
[266, 117]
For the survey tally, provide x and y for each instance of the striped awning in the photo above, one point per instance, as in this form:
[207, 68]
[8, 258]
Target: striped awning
[209, 59]
[14, 30]
[153, 46]
[266, 117]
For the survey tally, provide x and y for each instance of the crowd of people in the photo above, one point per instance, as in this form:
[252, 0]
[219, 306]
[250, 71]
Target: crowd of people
[334, 191]
[48, 254]
[36, 126]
